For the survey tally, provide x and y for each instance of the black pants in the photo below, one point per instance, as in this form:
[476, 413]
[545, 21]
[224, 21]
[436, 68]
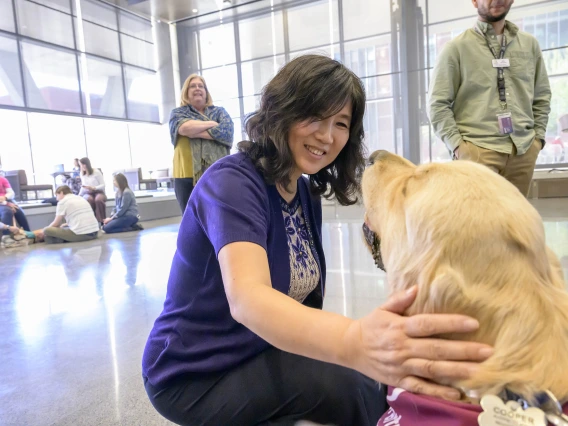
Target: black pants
[183, 188]
[274, 388]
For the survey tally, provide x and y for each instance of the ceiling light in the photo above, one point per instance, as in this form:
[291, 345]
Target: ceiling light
[194, 10]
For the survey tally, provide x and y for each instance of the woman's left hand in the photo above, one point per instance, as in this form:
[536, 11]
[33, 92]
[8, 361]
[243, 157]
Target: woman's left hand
[405, 352]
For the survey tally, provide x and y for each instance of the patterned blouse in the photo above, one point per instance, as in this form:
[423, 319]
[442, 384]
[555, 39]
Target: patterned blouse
[304, 270]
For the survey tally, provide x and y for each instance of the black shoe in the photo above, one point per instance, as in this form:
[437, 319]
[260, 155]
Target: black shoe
[137, 227]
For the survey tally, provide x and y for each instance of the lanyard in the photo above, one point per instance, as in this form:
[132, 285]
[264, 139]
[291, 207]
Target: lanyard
[500, 70]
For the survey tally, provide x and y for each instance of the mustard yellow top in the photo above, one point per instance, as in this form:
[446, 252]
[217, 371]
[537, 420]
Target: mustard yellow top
[183, 158]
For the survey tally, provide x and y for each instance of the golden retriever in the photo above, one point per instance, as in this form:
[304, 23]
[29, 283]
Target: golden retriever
[474, 245]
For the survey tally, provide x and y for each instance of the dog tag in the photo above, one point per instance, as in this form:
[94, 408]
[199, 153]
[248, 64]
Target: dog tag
[501, 63]
[497, 413]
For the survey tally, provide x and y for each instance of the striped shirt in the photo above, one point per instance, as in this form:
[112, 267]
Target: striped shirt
[78, 214]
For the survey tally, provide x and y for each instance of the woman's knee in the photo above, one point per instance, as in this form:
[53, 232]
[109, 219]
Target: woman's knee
[100, 199]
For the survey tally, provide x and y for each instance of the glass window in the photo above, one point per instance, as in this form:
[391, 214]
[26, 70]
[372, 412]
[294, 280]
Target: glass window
[143, 94]
[379, 125]
[51, 78]
[251, 104]
[558, 106]
[329, 51]
[11, 91]
[135, 26]
[370, 56]
[55, 139]
[45, 24]
[255, 74]
[222, 82]
[313, 25]
[6, 16]
[62, 5]
[232, 106]
[104, 89]
[445, 10]
[362, 18]
[108, 147]
[556, 61]
[150, 146]
[137, 52]
[95, 11]
[100, 41]
[217, 45]
[238, 134]
[14, 142]
[272, 41]
[563, 28]
[378, 87]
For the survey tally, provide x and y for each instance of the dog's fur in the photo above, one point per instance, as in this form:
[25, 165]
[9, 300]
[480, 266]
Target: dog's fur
[475, 246]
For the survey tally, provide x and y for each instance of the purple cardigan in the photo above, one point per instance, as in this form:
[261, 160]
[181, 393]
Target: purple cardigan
[195, 332]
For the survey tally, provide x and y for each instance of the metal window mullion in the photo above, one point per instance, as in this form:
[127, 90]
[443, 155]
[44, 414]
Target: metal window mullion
[30, 143]
[286, 35]
[239, 71]
[20, 57]
[77, 59]
[122, 66]
[340, 18]
[427, 20]
[199, 63]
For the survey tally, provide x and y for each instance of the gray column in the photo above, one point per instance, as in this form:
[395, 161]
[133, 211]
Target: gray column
[165, 69]
[409, 83]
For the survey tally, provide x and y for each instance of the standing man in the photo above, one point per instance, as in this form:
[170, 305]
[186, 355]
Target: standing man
[490, 95]
[82, 224]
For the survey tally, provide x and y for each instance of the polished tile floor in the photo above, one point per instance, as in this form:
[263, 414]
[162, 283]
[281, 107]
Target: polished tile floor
[74, 318]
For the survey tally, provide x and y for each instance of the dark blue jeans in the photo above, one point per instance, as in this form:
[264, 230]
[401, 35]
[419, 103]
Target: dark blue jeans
[6, 217]
[120, 224]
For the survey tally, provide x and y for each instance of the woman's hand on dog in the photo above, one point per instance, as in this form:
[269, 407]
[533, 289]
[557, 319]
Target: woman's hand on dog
[399, 351]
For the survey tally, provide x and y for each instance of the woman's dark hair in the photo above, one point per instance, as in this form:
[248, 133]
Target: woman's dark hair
[87, 163]
[309, 87]
[121, 181]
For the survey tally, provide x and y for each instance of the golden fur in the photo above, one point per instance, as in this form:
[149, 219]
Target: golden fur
[474, 245]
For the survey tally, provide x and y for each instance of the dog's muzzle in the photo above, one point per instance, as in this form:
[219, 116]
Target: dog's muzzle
[375, 243]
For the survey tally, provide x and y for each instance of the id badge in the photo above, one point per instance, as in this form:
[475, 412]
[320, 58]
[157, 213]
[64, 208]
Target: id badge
[505, 123]
[501, 63]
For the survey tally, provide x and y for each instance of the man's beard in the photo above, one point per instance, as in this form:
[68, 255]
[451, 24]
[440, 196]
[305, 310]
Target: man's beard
[485, 14]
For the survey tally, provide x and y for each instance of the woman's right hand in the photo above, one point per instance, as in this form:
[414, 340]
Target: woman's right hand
[398, 351]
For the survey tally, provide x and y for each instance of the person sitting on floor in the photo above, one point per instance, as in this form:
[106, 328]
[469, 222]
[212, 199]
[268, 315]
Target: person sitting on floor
[81, 224]
[93, 188]
[125, 214]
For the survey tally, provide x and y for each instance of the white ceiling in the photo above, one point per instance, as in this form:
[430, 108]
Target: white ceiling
[175, 10]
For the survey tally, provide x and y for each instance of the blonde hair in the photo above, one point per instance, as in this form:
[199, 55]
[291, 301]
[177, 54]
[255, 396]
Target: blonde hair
[185, 88]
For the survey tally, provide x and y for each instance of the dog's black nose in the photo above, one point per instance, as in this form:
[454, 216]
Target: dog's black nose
[377, 156]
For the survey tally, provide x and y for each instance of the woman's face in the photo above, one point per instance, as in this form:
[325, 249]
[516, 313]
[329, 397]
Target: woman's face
[316, 144]
[196, 92]
[83, 167]
[115, 183]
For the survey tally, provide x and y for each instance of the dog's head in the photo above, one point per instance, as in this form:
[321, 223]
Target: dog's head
[474, 245]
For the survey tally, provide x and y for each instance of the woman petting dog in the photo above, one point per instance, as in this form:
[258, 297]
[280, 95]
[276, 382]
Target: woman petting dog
[242, 338]
[474, 246]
